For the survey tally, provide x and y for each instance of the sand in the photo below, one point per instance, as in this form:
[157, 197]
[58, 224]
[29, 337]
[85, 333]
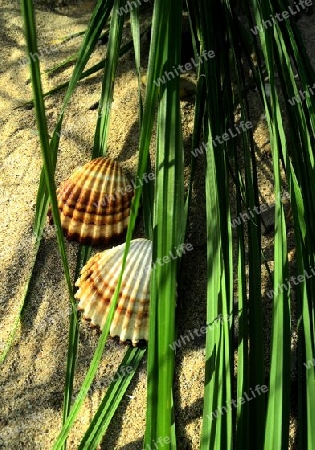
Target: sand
[32, 377]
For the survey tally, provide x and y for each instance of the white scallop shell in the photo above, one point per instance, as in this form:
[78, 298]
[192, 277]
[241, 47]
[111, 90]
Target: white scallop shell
[97, 283]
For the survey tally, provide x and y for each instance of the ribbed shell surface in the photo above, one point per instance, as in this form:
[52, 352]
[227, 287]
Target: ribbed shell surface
[97, 284]
[94, 203]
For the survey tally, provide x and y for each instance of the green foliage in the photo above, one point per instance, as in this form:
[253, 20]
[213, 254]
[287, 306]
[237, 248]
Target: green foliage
[221, 86]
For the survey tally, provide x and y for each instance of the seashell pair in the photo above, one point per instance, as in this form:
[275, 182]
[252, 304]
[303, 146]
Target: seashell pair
[94, 203]
[97, 283]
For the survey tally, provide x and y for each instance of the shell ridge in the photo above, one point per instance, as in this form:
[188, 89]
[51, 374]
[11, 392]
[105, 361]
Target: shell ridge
[97, 284]
[80, 198]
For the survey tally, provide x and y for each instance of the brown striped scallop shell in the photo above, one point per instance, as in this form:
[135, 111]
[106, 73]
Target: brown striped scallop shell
[94, 203]
[97, 283]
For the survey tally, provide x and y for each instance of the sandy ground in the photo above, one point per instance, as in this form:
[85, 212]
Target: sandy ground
[32, 376]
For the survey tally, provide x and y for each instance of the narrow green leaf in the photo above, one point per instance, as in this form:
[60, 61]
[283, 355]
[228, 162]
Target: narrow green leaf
[168, 232]
[112, 398]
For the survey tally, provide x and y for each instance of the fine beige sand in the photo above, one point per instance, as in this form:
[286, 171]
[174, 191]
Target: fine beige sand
[32, 377]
